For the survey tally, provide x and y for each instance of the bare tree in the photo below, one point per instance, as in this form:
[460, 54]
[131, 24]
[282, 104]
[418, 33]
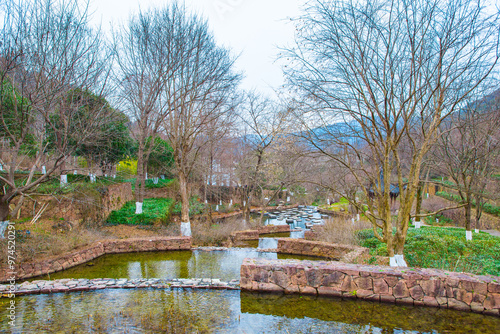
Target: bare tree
[198, 90]
[262, 125]
[142, 62]
[370, 74]
[467, 152]
[47, 51]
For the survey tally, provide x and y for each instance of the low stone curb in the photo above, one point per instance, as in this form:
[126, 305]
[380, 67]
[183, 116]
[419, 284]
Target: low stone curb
[78, 285]
[91, 252]
[409, 286]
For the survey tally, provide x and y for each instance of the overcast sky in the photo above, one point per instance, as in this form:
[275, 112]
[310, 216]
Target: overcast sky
[253, 29]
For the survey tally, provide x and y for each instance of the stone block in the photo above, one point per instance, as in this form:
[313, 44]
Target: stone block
[314, 277]
[348, 284]
[452, 282]
[334, 279]
[363, 294]
[373, 298]
[291, 289]
[279, 278]
[492, 301]
[475, 287]
[417, 293]
[364, 283]
[430, 301]
[418, 303]
[391, 280]
[462, 295]
[477, 307]
[270, 287]
[432, 287]
[458, 305]
[404, 301]
[478, 298]
[380, 286]
[494, 287]
[494, 312]
[308, 290]
[442, 301]
[400, 290]
[387, 299]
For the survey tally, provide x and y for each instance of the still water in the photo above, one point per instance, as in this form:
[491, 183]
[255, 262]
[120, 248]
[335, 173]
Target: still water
[224, 265]
[211, 311]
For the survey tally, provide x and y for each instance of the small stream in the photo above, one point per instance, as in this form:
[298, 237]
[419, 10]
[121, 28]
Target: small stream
[213, 311]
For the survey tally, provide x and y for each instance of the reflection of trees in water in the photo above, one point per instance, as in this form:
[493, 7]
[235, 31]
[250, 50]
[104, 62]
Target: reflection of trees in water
[231, 311]
[356, 315]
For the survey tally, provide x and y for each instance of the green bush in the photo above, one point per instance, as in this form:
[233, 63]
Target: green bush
[196, 207]
[161, 184]
[444, 248]
[127, 167]
[154, 210]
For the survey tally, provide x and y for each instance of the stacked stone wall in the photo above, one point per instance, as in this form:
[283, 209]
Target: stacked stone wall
[274, 229]
[410, 286]
[318, 248]
[85, 254]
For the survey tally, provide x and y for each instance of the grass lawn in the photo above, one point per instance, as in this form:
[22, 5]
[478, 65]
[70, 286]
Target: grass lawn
[444, 248]
[154, 210]
[162, 183]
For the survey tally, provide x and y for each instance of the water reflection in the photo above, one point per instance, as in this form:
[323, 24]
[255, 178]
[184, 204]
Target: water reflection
[224, 265]
[205, 311]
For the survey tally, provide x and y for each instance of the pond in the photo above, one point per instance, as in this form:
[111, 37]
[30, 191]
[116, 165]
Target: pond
[224, 265]
[214, 311]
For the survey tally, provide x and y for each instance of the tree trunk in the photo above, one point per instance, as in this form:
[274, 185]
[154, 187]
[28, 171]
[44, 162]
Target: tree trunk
[479, 210]
[418, 207]
[246, 207]
[468, 214]
[184, 197]
[139, 196]
[185, 223]
[4, 210]
[140, 181]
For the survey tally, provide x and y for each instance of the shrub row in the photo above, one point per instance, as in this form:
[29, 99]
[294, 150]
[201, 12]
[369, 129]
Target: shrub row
[444, 248]
[154, 210]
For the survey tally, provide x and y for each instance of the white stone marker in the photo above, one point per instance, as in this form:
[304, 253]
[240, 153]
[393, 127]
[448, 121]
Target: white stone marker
[3, 227]
[186, 229]
[138, 208]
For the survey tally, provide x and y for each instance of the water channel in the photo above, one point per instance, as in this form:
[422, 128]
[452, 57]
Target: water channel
[213, 311]
[216, 311]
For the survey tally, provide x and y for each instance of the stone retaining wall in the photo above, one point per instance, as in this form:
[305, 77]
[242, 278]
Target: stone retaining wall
[115, 197]
[320, 249]
[410, 286]
[255, 234]
[79, 256]
[268, 229]
[245, 235]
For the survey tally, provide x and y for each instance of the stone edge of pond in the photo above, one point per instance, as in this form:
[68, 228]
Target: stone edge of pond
[91, 252]
[406, 286]
[79, 285]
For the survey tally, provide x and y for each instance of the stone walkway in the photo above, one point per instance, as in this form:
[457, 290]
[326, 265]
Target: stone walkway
[74, 285]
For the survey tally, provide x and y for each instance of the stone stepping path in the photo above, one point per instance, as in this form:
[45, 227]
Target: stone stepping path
[75, 285]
